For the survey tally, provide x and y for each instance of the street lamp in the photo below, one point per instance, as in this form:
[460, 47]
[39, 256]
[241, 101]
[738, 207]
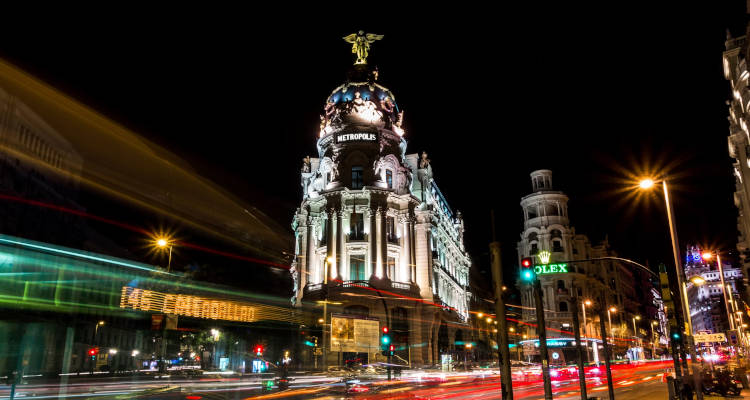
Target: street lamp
[707, 256]
[646, 184]
[611, 310]
[165, 243]
[635, 331]
[584, 304]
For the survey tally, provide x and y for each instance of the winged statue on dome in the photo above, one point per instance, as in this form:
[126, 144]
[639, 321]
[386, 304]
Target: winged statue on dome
[361, 44]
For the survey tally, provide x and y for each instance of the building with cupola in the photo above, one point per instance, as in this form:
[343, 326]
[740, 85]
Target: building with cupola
[550, 239]
[376, 241]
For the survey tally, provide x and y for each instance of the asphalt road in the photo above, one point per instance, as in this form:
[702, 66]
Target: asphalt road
[642, 381]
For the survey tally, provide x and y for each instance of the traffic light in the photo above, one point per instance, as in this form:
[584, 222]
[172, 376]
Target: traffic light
[93, 352]
[385, 338]
[391, 348]
[527, 269]
[259, 350]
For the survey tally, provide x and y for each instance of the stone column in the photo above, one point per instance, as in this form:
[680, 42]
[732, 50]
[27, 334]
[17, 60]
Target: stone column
[312, 265]
[383, 244]
[329, 241]
[304, 256]
[373, 244]
[413, 250]
[339, 241]
[406, 250]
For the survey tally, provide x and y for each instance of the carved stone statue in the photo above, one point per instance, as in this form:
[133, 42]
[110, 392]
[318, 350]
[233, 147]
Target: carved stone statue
[424, 162]
[361, 44]
[306, 164]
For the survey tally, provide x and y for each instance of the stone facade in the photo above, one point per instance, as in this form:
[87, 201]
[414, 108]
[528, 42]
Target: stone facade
[736, 72]
[547, 229]
[373, 219]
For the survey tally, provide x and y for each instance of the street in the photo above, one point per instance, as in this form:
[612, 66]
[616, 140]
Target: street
[644, 381]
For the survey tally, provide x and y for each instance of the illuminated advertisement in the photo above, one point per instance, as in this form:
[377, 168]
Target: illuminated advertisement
[357, 335]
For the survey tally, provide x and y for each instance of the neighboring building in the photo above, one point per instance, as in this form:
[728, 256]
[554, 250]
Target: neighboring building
[736, 72]
[378, 216]
[707, 310]
[547, 232]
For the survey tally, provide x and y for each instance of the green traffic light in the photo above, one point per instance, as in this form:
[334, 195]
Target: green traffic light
[386, 339]
[527, 275]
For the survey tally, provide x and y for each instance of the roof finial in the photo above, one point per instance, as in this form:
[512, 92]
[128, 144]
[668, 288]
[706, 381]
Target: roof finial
[361, 44]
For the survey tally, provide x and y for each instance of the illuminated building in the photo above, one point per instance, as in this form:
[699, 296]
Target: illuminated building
[707, 310]
[549, 238]
[377, 214]
[737, 73]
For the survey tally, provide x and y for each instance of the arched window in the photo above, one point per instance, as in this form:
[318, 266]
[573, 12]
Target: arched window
[563, 306]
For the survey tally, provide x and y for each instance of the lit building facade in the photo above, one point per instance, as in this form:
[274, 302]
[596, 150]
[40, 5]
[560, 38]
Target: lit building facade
[373, 219]
[736, 72]
[549, 238]
[707, 311]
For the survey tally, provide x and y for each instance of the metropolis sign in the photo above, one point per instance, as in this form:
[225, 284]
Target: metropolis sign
[551, 269]
[356, 137]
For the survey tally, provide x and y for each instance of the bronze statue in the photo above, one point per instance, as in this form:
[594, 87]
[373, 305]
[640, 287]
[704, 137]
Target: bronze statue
[361, 44]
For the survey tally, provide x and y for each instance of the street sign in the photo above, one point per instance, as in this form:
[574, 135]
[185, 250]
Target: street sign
[710, 337]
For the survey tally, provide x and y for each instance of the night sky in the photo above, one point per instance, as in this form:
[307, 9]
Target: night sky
[588, 93]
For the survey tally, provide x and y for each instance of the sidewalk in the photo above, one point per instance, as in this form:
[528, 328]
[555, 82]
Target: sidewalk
[745, 394]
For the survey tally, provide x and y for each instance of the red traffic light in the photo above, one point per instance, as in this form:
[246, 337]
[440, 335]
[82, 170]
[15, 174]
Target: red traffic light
[93, 351]
[527, 262]
[258, 349]
[392, 347]
[385, 329]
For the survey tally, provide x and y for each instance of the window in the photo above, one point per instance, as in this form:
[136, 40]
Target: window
[563, 306]
[357, 182]
[392, 268]
[389, 178]
[357, 267]
[561, 284]
[531, 212]
[390, 229]
[324, 233]
[557, 246]
[534, 249]
[357, 227]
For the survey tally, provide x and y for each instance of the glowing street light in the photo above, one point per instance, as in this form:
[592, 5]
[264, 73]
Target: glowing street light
[647, 184]
[165, 243]
[707, 256]
[480, 315]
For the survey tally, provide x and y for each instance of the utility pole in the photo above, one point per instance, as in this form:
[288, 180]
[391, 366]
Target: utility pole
[610, 386]
[502, 333]
[579, 346]
[542, 339]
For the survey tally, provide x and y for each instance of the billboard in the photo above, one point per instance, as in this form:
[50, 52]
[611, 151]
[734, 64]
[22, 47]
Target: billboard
[354, 334]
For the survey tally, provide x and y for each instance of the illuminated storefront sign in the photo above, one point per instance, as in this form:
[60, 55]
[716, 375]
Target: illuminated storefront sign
[356, 137]
[551, 269]
[201, 307]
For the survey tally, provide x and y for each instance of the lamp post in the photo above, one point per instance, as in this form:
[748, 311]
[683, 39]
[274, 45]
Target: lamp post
[165, 243]
[325, 310]
[680, 273]
[635, 334]
[707, 256]
[611, 310]
[584, 304]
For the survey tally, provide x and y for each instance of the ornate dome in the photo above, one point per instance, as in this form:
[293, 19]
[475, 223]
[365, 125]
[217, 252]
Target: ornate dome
[361, 106]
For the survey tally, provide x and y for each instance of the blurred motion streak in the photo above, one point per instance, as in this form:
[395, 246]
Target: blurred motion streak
[47, 277]
[121, 163]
